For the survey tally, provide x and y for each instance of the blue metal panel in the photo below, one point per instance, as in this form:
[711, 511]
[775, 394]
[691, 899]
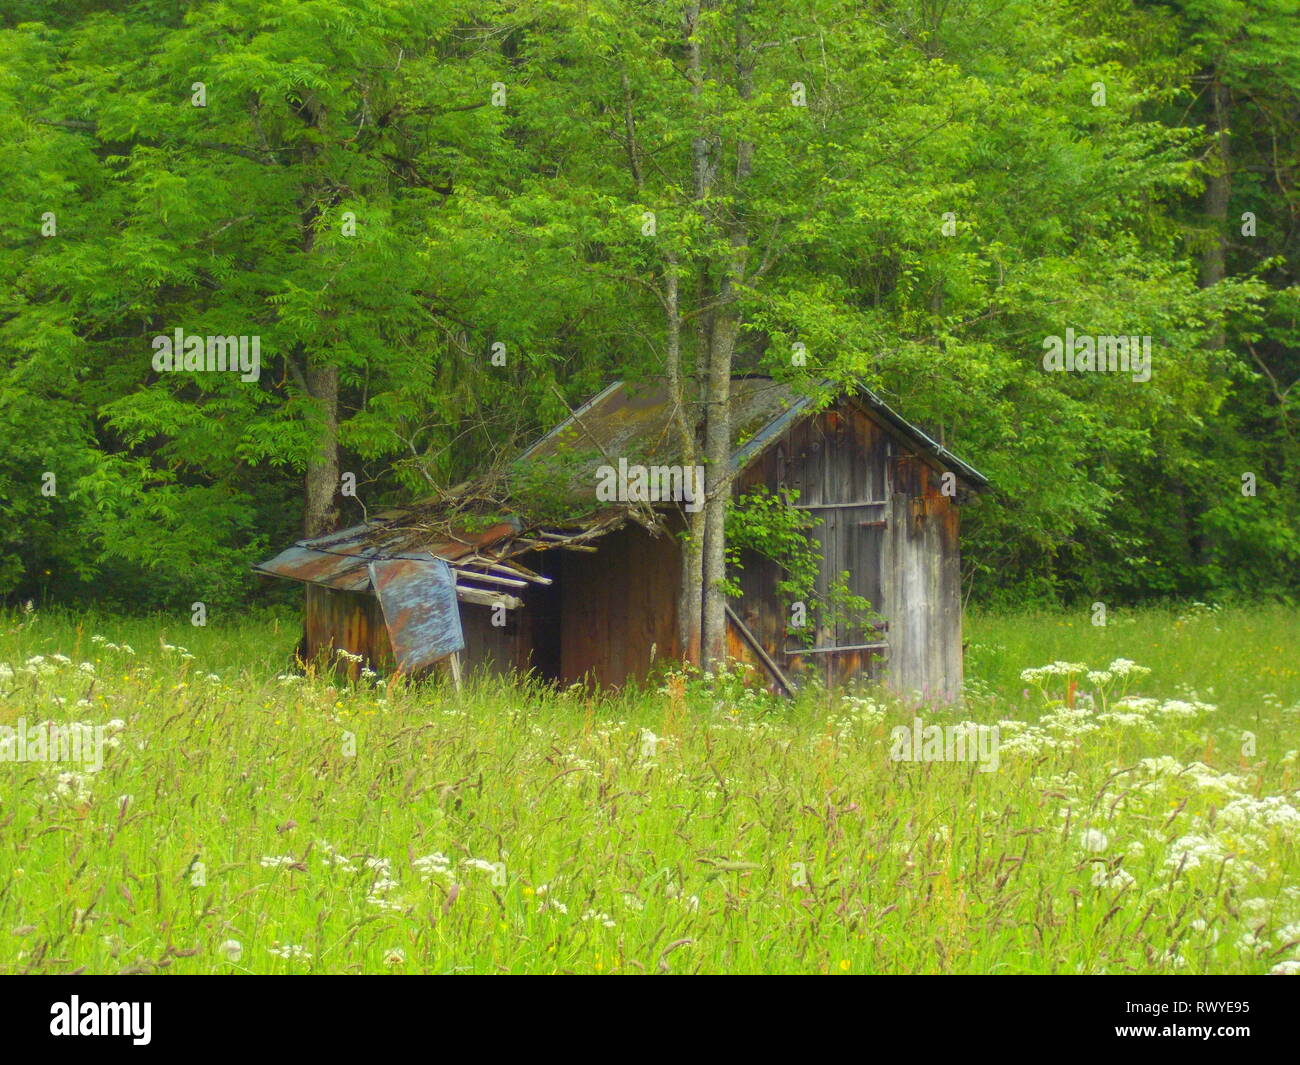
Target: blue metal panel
[418, 597]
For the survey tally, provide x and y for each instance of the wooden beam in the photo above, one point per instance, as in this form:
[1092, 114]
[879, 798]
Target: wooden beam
[547, 545]
[526, 573]
[490, 578]
[482, 597]
[790, 652]
[752, 642]
[840, 506]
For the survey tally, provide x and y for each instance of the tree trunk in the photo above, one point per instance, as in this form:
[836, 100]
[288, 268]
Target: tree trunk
[320, 509]
[683, 407]
[717, 482]
[1218, 189]
[722, 347]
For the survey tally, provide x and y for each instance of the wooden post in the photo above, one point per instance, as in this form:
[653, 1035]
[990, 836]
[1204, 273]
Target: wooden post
[453, 660]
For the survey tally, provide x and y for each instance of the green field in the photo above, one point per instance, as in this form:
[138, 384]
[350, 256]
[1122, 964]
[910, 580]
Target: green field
[249, 820]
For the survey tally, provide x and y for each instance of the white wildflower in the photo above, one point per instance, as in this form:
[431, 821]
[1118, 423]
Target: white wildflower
[1094, 840]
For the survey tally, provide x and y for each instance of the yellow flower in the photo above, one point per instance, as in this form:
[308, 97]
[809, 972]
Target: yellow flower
[844, 965]
[529, 892]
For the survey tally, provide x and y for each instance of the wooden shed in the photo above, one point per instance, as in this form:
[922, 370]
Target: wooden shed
[595, 600]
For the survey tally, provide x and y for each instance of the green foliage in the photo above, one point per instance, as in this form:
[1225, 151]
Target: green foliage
[519, 231]
[765, 523]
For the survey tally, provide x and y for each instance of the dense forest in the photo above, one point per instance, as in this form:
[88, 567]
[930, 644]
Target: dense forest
[444, 223]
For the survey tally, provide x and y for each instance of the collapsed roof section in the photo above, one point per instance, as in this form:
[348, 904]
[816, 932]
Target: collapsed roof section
[483, 563]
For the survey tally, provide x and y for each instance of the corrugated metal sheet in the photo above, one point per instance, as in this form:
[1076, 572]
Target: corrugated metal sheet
[420, 609]
[339, 560]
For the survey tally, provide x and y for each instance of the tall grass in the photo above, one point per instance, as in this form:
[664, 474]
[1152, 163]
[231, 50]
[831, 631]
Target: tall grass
[248, 820]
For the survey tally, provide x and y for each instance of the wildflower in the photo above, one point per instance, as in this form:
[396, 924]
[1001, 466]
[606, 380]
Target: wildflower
[1105, 878]
[1094, 840]
[1285, 968]
[232, 949]
[604, 918]
[71, 787]
[436, 864]
[289, 950]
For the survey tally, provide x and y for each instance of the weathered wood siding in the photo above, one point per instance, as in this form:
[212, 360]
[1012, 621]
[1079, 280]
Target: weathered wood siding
[923, 593]
[617, 606]
[495, 648]
[350, 621]
[835, 462]
[884, 521]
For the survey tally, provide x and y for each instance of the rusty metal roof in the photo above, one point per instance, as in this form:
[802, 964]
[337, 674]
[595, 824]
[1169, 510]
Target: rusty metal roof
[483, 563]
[339, 559]
[625, 420]
[635, 422]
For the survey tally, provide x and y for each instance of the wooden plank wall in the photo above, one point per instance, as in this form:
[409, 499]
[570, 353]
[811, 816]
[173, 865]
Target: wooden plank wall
[495, 648]
[350, 621]
[923, 592]
[617, 605]
[836, 457]
[909, 569]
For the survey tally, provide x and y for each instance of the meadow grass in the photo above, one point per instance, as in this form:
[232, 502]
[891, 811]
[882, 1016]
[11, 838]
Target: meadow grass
[247, 819]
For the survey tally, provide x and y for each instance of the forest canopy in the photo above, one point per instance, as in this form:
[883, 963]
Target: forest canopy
[447, 224]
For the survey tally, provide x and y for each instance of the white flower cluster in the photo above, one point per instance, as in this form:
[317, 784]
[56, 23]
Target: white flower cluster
[1117, 879]
[1039, 674]
[383, 885]
[431, 865]
[125, 648]
[71, 787]
[600, 918]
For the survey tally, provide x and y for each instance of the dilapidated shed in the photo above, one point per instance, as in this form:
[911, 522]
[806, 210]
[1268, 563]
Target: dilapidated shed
[594, 599]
